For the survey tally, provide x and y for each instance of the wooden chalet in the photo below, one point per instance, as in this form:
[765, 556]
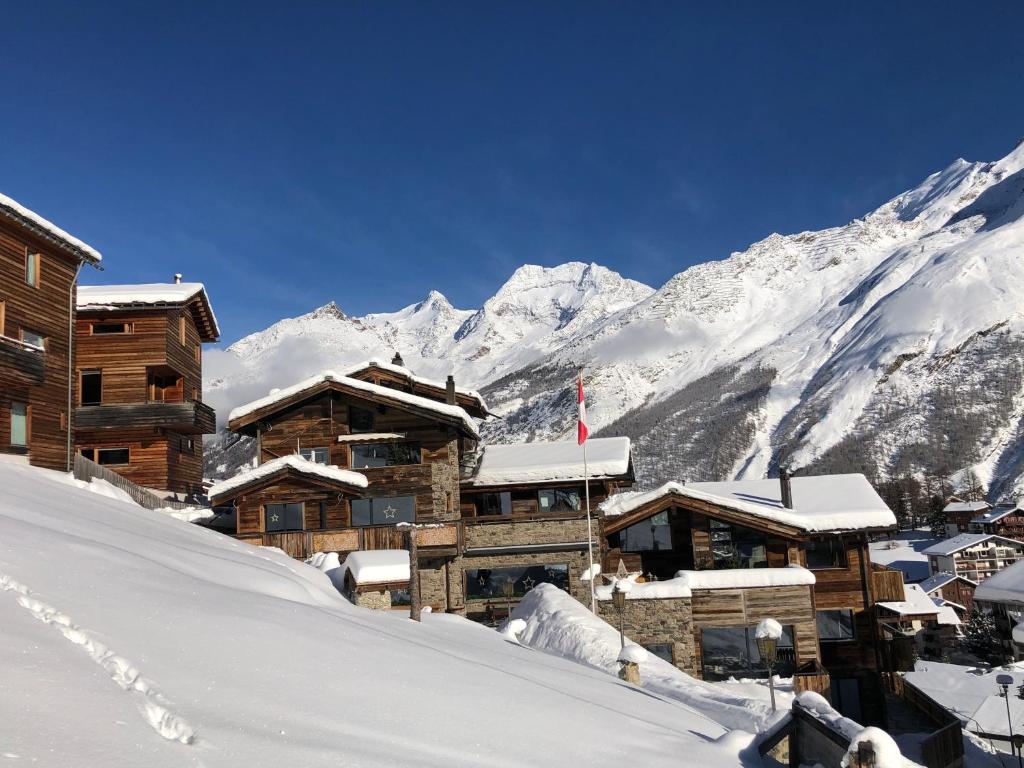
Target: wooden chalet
[1006, 520]
[395, 375]
[524, 518]
[959, 514]
[407, 446]
[39, 267]
[139, 373]
[718, 557]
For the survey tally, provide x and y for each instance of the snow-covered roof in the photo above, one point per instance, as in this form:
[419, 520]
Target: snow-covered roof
[685, 582]
[408, 374]
[327, 377]
[292, 461]
[915, 602]
[965, 506]
[820, 503]
[903, 552]
[1005, 586]
[14, 209]
[94, 297]
[551, 462]
[939, 580]
[962, 541]
[377, 566]
[971, 693]
[995, 514]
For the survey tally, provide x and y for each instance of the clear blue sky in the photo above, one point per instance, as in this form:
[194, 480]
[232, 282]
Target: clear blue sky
[288, 154]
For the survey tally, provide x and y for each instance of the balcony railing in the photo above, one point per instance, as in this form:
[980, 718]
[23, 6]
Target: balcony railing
[191, 417]
[302, 544]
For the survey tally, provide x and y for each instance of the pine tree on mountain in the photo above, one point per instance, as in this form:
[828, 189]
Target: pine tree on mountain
[973, 488]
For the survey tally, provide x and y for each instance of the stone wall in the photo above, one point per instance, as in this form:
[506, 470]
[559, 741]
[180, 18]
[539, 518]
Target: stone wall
[577, 562]
[654, 622]
[433, 583]
[444, 483]
[514, 532]
[375, 600]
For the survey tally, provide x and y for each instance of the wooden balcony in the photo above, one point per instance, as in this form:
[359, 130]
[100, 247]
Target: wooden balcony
[192, 417]
[21, 365]
[433, 541]
[812, 677]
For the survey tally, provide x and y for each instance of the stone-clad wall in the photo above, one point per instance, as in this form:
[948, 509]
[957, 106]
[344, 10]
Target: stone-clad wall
[444, 483]
[515, 532]
[577, 562]
[650, 622]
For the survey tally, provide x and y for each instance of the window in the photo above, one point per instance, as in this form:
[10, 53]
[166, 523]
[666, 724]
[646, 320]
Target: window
[485, 583]
[385, 455]
[99, 329]
[19, 424]
[733, 546]
[360, 419]
[32, 268]
[283, 517]
[559, 500]
[664, 651]
[732, 652]
[165, 387]
[834, 626]
[651, 535]
[185, 444]
[112, 455]
[91, 389]
[494, 504]
[384, 510]
[34, 338]
[319, 455]
[181, 330]
[826, 553]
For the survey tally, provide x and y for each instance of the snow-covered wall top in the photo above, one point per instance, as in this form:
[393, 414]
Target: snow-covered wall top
[685, 582]
[820, 503]
[551, 462]
[377, 566]
[292, 461]
[18, 211]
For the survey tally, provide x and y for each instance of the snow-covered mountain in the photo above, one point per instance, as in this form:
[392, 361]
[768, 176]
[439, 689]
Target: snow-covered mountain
[890, 344]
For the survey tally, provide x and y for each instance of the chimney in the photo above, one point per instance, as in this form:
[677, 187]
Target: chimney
[787, 489]
[177, 278]
[449, 390]
[397, 359]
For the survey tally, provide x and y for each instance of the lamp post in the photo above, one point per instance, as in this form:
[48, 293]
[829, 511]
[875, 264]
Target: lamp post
[619, 601]
[507, 589]
[768, 648]
[1004, 682]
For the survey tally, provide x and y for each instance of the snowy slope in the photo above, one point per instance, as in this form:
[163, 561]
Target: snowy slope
[131, 638]
[888, 345]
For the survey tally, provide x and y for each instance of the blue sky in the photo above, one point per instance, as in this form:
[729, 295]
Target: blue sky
[291, 154]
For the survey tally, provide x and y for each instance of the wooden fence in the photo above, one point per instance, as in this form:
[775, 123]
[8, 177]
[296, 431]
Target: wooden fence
[944, 747]
[87, 469]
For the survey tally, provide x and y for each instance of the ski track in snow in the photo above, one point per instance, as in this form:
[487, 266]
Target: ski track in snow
[164, 721]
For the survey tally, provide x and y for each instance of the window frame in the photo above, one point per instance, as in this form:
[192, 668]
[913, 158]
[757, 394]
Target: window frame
[853, 626]
[27, 430]
[313, 450]
[371, 500]
[555, 492]
[414, 447]
[181, 330]
[81, 385]
[502, 496]
[22, 331]
[525, 568]
[33, 262]
[126, 328]
[831, 540]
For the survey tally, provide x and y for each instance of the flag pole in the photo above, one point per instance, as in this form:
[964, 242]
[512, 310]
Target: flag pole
[590, 530]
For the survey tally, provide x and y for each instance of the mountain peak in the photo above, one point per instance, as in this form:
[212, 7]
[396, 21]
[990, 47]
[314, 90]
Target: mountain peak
[328, 310]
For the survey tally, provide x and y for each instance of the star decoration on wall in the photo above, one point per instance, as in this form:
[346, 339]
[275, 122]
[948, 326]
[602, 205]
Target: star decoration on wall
[528, 583]
[274, 518]
[390, 512]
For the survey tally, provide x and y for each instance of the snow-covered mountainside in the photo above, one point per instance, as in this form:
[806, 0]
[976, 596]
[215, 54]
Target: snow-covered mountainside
[131, 638]
[888, 345]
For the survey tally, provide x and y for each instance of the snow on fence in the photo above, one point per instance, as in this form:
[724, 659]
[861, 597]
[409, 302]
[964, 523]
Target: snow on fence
[87, 469]
[943, 747]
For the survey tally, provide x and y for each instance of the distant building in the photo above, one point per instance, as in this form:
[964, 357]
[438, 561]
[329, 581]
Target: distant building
[959, 514]
[1003, 596]
[931, 625]
[975, 556]
[952, 590]
[1006, 519]
[39, 267]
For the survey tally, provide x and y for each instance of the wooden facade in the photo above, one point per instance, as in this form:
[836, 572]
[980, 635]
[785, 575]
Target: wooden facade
[139, 386]
[38, 277]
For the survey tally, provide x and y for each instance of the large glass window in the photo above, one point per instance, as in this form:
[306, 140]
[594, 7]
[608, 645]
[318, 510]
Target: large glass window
[284, 517]
[732, 652]
[318, 455]
[19, 424]
[559, 500]
[92, 388]
[664, 651]
[360, 419]
[650, 535]
[494, 504]
[385, 455]
[733, 546]
[835, 625]
[826, 553]
[485, 583]
[384, 510]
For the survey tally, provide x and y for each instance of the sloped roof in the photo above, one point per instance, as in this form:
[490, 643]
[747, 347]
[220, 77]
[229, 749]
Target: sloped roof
[962, 541]
[915, 602]
[966, 506]
[607, 457]
[820, 503]
[293, 462]
[939, 580]
[12, 209]
[407, 374]
[98, 297]
[995, 514]
[330, 379]
[1005, 586]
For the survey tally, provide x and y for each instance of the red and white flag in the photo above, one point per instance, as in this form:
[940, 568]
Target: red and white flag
[581, 425]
